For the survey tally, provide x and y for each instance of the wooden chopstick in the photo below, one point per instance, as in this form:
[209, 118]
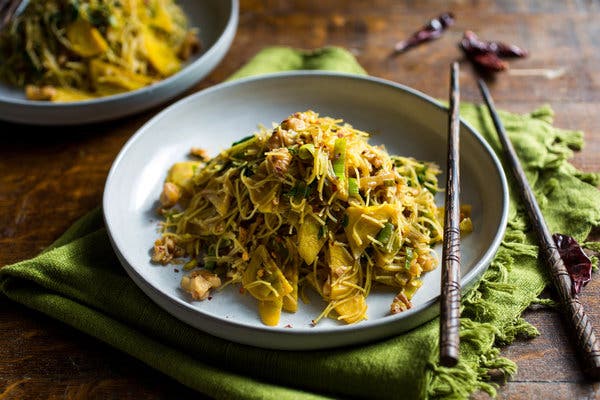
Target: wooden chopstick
[450, 300]
[578, 322]
[8, 9]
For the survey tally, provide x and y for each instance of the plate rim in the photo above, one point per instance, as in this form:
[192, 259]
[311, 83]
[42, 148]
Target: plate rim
[467, 281]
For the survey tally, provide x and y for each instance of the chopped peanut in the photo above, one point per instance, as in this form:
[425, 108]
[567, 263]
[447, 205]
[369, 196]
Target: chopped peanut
[294, 124]
[375, 158]
[427, 263]
[200, 153]
[199, 282]
[170, 195]
[400, 303]
[278, 161]
[165, 249]
[280, 138]
[308, 116]
[33, 92]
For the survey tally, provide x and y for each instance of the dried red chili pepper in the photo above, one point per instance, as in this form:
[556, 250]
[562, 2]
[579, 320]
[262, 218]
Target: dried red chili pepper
[486, 54]
[490, 62]
[507, 50]
[576, 261]
[432, 30]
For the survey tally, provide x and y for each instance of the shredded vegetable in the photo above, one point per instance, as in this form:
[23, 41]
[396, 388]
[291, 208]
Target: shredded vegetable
[69, 50]
[307, 205]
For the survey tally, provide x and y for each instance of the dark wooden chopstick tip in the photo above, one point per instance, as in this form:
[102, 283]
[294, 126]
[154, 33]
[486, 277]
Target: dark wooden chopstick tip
[448, 360]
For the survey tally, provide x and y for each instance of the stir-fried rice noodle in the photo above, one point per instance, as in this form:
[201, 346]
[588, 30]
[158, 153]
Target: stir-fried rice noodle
[307, 205]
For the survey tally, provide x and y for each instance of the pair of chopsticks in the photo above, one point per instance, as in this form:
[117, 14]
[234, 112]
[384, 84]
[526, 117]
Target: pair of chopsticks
[578, 322]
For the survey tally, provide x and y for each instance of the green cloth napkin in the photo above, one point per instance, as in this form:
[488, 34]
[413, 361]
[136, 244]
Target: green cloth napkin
[79, 281]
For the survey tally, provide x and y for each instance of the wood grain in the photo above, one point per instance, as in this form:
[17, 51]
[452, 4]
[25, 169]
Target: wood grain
[49, 177]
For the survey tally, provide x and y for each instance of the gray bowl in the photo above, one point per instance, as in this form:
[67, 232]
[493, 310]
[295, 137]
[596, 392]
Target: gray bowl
[407, 122]
[217, 23]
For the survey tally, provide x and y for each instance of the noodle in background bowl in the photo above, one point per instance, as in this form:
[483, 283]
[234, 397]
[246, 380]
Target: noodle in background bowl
[407, 122]
[216, 21]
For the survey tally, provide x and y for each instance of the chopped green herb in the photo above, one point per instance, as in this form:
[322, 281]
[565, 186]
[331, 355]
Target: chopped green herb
[292, 150]
[306, 151]
[339, 159]
[322, 231]
[301, 190]
[247, 171]
[409, 257]
[353, 187]
[242, 140]
[209, 259]
[72, 11]
[99, 16]
[193, 263]
[385, 234]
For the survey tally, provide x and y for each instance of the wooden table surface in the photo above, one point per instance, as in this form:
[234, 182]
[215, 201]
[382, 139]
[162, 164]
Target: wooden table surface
[49, 177]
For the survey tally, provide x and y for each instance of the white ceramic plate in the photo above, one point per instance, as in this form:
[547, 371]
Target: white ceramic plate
[406, 121]
[217, 23]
